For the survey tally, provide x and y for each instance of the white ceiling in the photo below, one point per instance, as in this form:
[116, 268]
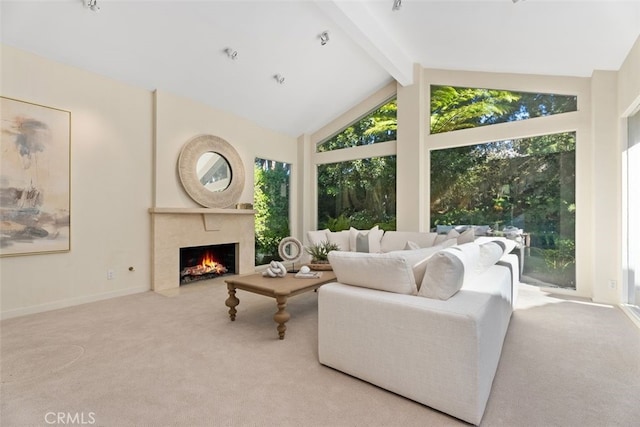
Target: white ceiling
[178, 46]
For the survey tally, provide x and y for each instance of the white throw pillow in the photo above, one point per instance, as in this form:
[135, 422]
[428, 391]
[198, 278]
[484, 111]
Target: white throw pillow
[466, 236]
[471, 259]
[490, 253]
[507, 244]
[417, 259]
[340, 238]
[411, 246]
[365, 240]
[440, 238]
[384, 272]
[317, 237]
[444, 275]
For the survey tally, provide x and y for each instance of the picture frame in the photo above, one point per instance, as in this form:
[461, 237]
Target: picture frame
[35, 178]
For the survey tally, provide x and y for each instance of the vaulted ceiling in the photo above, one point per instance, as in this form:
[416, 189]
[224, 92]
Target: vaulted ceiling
[179, 46]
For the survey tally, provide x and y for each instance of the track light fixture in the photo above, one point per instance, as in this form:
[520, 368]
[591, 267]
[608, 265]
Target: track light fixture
[279, 79]
[397, 4]
[93, 5]
[324, 38]
[232, 54]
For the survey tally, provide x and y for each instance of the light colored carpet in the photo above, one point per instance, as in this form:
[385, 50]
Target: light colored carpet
[152, 360]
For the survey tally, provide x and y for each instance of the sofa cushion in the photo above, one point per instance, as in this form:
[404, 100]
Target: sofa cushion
[385, 272]
[317, 237]
[471, 258]
[411, 246]
[507, 244]
[365, 240]
[340, 238]
[417, 259]
[397, 240]
[490, 253]
[444, 274]
[466, 236]
[452, 234]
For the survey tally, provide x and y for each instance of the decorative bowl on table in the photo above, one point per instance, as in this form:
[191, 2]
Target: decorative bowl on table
[323, 266]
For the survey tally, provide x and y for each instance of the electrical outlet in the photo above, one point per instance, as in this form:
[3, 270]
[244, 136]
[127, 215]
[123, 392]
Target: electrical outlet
[612, 284]
[111, 274]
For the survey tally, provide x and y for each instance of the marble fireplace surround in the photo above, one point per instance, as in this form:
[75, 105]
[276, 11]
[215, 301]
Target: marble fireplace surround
[175, 228]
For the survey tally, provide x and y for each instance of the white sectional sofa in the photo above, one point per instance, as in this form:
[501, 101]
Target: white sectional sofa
[427, 323]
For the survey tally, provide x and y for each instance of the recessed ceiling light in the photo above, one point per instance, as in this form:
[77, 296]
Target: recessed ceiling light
[93, 5]
[324, 38]
[231, 53]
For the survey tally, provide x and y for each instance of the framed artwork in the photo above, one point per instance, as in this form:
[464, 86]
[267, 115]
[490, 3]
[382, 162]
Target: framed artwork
[35, 178]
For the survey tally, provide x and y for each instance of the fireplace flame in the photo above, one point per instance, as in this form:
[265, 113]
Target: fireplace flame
[207, 265]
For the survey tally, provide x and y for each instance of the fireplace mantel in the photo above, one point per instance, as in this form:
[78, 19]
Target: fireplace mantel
[202, 211]
[175, 228]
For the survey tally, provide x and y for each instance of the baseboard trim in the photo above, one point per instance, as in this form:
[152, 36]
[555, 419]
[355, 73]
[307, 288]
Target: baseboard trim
[632, 313]
[70, 302]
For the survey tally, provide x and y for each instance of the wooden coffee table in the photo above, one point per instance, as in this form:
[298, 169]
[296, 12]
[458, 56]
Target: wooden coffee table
[280, 288]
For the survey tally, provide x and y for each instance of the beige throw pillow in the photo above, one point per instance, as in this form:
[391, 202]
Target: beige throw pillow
[367, 241]
[340, 238]
[490, 253]
[384, 272]
[317, 237]
[444, 274]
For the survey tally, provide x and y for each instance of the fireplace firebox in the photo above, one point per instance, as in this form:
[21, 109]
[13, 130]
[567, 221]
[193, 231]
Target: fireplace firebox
[207, 262]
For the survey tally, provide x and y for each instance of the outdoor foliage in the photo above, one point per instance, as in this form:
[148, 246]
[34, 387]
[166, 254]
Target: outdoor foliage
[360, 193]
[528, 183]
[378, 126]
[455, 108]
[271, 203]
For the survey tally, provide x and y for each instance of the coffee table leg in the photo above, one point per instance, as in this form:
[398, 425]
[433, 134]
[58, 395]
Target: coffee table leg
[232, 301]
[281, 317]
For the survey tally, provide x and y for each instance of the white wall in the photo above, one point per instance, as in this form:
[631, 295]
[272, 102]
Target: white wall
[111, 135]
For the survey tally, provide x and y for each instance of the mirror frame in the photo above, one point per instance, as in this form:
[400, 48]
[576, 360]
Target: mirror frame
[189, 155]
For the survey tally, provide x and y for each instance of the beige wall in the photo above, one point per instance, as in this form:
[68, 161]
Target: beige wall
[111, 135]
[179, 119]
[629, 82]
[118, 173]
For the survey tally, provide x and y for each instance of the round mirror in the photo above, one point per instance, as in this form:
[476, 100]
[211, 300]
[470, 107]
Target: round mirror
[290, 249]
[213, 171]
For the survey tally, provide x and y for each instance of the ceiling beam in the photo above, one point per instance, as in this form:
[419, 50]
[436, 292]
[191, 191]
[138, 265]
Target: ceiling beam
[357, 21]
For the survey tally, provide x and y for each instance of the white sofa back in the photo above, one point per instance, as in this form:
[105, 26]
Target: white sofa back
[397, 240]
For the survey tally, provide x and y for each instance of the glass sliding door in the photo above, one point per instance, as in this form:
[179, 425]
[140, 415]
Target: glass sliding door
[633, 212]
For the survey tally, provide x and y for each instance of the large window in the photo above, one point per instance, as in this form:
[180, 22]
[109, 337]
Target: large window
[359, 192]
[379, 125]
[271, 203]
[522, 187]
[454, 108]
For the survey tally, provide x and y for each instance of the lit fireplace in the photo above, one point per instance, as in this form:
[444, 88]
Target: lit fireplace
[207, 262]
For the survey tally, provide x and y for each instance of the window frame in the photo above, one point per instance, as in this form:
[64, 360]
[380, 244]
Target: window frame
[575, 121]
[379, 149]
